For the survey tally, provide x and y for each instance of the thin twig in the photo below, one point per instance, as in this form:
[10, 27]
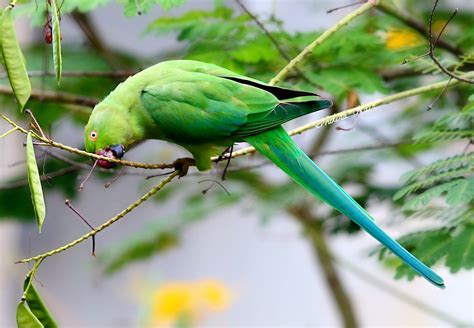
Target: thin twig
[115, 178]
[29, 112]
[8, 132]
[430, 106]
[433, 44]
[345, 6]
[213, 182]
[416, 25]
[272, 40]
[72, 208]
[105, 225]
[83, 183]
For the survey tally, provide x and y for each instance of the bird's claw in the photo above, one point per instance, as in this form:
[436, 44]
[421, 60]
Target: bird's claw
[182, 165]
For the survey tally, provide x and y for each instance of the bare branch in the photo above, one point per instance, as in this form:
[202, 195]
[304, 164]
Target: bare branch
[106, 224]
[55, 96]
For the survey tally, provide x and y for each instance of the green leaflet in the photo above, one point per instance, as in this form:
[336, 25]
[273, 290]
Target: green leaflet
[14, 61]
[461, 254]
[458, 191]
[35, 183]
[57, 58]
[25, 318]
[36, 306]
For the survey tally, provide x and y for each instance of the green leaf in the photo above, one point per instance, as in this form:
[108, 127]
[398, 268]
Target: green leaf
[428, 246]
[424, 198]
[35, 183]
[461, 192]
[255, 51]
[57, 59]
[191, 18]
[141, 249]
[443, 136]
[435, 179]
[14, 60]
[461, 254]
[37, 306]
[339, 80]
[439, 165]
[25, 318]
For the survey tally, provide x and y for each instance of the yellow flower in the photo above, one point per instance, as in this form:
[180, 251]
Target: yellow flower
[402, 38]
[213, 294]
[189, 301]
[171, 301]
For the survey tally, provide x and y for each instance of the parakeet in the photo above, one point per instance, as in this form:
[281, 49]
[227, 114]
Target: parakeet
[205, 109]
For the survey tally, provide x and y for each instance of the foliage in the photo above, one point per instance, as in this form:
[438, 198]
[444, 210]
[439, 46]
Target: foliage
[356, 60]
[450, 178]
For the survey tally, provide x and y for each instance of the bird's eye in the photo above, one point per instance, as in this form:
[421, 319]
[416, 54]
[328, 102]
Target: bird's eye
[93, 135]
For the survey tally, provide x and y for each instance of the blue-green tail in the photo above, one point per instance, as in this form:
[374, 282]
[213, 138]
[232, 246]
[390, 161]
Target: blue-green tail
[277, 146]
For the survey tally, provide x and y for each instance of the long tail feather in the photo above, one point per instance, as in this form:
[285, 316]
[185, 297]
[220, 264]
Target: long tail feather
[277, 146]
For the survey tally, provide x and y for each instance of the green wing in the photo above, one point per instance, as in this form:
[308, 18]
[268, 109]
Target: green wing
[194, 108]
[194, 103]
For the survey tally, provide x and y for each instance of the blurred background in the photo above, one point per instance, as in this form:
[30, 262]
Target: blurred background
[267, 255]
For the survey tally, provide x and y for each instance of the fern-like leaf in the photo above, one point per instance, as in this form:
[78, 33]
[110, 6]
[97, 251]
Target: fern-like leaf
[445, 164]
[443, 136]
[448, 175]
[461, 254]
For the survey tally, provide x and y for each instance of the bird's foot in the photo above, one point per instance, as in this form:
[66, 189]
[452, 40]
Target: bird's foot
[182, 165]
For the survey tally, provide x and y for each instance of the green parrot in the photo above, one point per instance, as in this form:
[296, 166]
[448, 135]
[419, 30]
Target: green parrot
[205, 109]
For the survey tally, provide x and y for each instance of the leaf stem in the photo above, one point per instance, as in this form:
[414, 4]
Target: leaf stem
[8, 132]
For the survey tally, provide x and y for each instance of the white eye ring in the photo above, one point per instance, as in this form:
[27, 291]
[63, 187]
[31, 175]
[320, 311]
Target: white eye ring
[93, 135]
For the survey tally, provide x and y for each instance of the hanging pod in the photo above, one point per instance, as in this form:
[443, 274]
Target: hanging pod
[57, 59]
[13, 59]
[35, 183]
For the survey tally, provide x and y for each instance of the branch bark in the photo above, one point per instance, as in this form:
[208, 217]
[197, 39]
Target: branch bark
[55, 96]
[315, 232]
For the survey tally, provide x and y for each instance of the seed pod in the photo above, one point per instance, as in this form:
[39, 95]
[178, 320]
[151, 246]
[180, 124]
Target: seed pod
[25, 318]
[56, 36]
[35, 183]
[14, 61]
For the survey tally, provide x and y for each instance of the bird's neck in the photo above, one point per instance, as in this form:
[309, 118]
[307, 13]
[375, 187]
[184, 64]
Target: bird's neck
[125, 100]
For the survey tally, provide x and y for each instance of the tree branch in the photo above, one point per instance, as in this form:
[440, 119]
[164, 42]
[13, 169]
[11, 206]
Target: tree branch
[55, 96]
[55, 144]
[315, 232]
[106, 224]
[359, 109]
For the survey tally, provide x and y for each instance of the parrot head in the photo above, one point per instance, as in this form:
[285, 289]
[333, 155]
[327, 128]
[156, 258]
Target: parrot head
[107, 135]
